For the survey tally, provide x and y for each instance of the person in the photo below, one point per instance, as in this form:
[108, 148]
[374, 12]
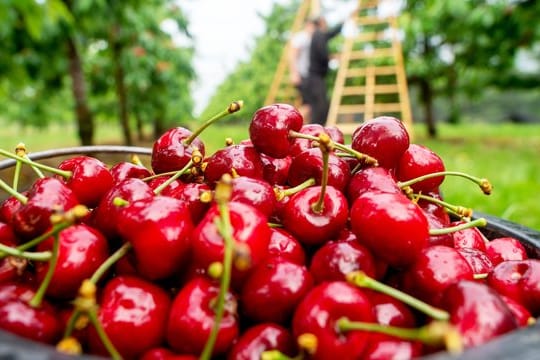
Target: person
[318, 69]
[299, 64]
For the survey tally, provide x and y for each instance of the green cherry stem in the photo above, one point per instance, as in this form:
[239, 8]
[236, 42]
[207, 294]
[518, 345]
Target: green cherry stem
[11, 191]
[278, 355]
[232, 108]
[280, 193]
[326, 145]
[480, 222]
[24, 160]
[360, 279]
[223, 193]
[40, 293]
[92, 316]
[110, 261]
[177, 174]
[434, 334]
[457, 210]
[36, 256]
[484, 184]
[360, 156]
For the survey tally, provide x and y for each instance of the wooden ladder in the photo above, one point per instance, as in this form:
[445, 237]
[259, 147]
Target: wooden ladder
[371, 77]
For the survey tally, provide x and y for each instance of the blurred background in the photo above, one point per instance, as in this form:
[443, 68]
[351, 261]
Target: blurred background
[122, 72]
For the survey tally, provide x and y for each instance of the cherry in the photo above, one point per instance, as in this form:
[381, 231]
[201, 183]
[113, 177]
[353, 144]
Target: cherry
[417, 161]
[10, 206]
[283, 244]
[10, 267]
[159, 228]
[391, 226]
[133, 314]
[275, 171]
[162, 353]
[334, 260]
[81, 251]
[383, 348]
[242, 159]
[312, 226]
[90, 179]
[273, 290]
[518, 280]
[434, 270]
[255, 192]
[105, 216]
[477, 259]
[173, 150]
[309, 164]
[384, 138]
[520, 312]
[260, 338]
[505, 248]
[316, 316]
[250, 231]
[477, 311]
[335, 133]
[370, 179]
[270, 126]
[300, 144]
[435, 222]
[468, 238]
[46, 196]
[196, 196]
[192, 317]
[17, 316]
[125, 170]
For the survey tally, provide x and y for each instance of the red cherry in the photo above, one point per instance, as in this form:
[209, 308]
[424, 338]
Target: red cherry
[477, 259]
[192, 318]
[391, 226]
[161, 353]
[384, 138]
[159, 228]
[105, 216]
[318, 313]
[417, 161]
[275, 171]
[260, 338]
[505, 248]
[171, 153]
[270, 126]
[301, 144]
[518, 280]
[9, 206]
[371, 179]
[192, 195]
[273, 290]
[17, 316]
[310, 226]
[243, 159]
[520, 312]
[90, 179]
[254, 192]
[436, 268]
[435, 221]
[126, 170]
[250, 231]
[10, 267]
[335, 134]
[334, 260]
[468, 238]
[46, 196]
[309, 164]
[81, 251]
[383, 348]
[477, 311]
[283, 244]
[133, 313]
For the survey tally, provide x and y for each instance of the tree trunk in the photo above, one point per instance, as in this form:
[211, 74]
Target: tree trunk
[426, 93]
[121, 93]
[85, 119]
[140, 128]
[159, 126]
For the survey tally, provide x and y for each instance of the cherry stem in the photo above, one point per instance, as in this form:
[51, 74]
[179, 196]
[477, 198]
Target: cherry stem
[280, 194]
[11, 191]
[434, 334]
[40, 293]
[325, 144]
[223, 192]
[360, 279]
[484, 184]
[110, 261]
[360, 156]
[36, 256]
[92, 316]
[457, 210]
[480, 222]
[278, 355]
[232, 108]
[170, 180]
[27, 161]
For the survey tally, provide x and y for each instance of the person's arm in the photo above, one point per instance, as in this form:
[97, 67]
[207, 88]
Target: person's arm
[335, 31]
[294, 54]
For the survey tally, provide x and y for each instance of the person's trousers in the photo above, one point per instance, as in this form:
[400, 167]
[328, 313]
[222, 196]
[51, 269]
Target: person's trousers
[318, 99]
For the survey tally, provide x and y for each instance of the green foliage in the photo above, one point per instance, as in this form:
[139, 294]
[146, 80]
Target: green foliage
[251, 79]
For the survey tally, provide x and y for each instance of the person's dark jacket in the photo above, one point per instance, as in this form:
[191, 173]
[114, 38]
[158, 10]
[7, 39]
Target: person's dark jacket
[318, 52]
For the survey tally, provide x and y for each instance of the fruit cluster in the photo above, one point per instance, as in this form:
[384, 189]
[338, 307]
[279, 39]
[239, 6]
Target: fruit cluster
[287, 245]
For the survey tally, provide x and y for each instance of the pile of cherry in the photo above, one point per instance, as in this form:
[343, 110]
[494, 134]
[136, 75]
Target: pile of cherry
[288, 245]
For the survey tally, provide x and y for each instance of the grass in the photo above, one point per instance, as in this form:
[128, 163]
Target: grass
[506, 154]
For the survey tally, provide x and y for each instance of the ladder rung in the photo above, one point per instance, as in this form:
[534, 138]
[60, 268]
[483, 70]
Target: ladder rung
[377, 108]
[378, 70]
[364, 37]
[372, 54]
[377, 89]
[372, 20]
